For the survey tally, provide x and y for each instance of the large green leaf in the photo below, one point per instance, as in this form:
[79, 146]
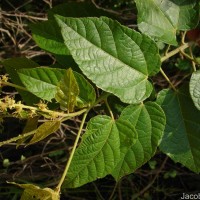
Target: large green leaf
[97, 154]
[67, 91]
[99, 150]
[41, 81]
[195, 88]
[47, 35]
[12, 65]
[161, 19]
[182, 132]
[149, 122]
[116, 58]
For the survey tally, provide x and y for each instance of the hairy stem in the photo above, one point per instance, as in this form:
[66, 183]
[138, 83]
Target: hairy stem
[60, 114]
[57, 189]
[175, 51]
[14, 139]
[13, 85]
[109, 109]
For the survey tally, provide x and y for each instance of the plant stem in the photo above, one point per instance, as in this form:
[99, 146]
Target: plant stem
[57, 189]
[175, 51]
[113, 192]
[14, 85]
[193, 63]
[103, 96]
[167, 79]
[61, 114]
[110, 111]
[17, 138]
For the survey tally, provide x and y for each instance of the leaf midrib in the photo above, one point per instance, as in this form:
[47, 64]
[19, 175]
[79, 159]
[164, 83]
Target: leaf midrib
[118, 60]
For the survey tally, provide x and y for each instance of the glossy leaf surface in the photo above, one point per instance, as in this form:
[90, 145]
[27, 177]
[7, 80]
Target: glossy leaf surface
[181, 137]
[117, 59]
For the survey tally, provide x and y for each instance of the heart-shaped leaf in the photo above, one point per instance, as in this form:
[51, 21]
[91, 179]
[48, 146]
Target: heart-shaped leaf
[181, 137]
[149, 122]
[161, 19]
[99, 150]
[195, 88]
[117, 59]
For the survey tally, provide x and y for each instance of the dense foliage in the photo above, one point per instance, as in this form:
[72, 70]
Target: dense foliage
[99, 59]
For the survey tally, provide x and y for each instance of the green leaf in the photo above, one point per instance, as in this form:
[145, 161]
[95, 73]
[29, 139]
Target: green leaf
[97, 154]
[87, 95]
[161, 19]
[44, 130]
[99, 150]
[47, 35]
[12, 65]
[181, 137]
[195, 88]
[116, 58]
[67, 91]
[77, 9]
[149, 122]
[41, 81]
[66, 62]
[32, 192]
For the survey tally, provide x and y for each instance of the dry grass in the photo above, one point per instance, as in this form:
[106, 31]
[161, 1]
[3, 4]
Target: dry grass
[15, 36]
